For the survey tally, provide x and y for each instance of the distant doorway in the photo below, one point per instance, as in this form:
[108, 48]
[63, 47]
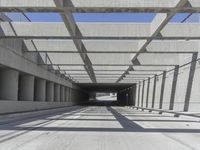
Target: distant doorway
[106, 96]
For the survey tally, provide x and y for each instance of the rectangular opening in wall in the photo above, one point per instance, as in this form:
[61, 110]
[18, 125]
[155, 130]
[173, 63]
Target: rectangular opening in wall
[106, 96]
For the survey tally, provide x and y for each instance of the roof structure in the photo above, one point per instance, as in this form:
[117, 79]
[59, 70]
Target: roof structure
[100, 52]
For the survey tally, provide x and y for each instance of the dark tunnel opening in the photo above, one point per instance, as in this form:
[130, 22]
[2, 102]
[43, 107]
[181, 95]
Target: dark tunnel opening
[110, 94]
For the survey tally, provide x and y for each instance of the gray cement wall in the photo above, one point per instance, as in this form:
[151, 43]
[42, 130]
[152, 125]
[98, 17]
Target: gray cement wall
[184, 84]
[21, 106]
[27, 86]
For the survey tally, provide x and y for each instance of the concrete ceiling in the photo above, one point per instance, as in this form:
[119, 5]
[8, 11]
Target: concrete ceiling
[107, 53]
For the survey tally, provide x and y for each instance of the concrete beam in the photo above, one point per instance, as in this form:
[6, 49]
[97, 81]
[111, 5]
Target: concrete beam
[74, 31]
[97, 6]
[102, 31]
[157, 25]
[164, 59]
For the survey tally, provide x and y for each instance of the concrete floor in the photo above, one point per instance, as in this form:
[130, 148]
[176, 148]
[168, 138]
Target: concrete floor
[101, 128]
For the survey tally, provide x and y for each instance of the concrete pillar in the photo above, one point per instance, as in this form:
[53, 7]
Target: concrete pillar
[154, 91]
[56, 92]
[40, 90]
[9, 84]
[69, 95]
[138, 100]
[143, 85]
[147, 98]
[66, 94]
[173, 91]
[162, 90]
[131, 95]
[72, 95]
[26, 87]
[49, 91]
[62, 93]
[190, 82]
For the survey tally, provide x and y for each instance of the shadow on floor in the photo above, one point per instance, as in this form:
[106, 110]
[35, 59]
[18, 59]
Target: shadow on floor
[127, 126]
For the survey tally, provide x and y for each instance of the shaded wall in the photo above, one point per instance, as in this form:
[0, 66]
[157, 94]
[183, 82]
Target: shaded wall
[127, 97]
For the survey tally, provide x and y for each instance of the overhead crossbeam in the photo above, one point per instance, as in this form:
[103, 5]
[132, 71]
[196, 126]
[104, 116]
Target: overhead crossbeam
[157, 25]
[33, 30]
[155, 6]
[73, 30]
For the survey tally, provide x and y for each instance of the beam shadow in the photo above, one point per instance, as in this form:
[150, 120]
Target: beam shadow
[84, 119]
[26, 119]
[162, 116]
[83, 129]
[125, 122]
[127, 126]
[139, 120]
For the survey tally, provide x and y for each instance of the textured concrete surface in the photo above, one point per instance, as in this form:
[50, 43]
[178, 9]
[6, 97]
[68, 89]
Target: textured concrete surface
[101, 128]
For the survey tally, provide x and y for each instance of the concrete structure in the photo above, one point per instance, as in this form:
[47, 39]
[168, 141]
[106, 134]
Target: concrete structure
[94, 128]
[9, 84]
[50, 91]
[26, 88]
[152, 66]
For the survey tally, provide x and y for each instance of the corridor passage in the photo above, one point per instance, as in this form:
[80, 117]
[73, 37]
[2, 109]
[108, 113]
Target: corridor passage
[100, 128]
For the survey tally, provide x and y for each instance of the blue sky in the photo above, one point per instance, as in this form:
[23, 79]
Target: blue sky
[93, 17]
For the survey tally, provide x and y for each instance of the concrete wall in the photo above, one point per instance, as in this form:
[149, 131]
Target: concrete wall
[181, 90]
[23, 92]
[22, 106]
[27, 86]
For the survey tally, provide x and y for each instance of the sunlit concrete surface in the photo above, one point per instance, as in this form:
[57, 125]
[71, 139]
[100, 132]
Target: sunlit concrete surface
[106, 98]
[100, 128]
